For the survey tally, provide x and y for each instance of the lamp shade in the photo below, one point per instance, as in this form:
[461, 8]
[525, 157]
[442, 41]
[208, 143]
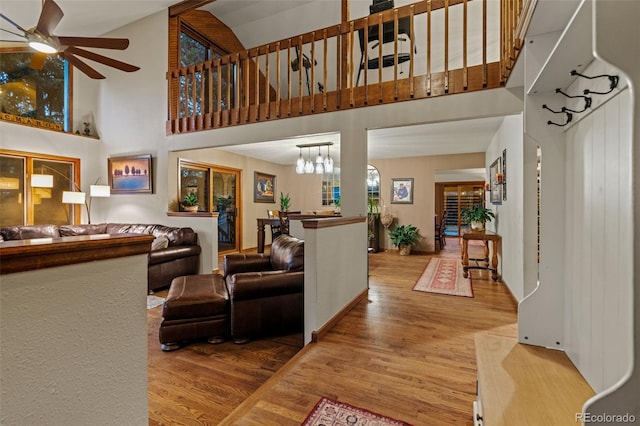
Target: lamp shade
[42, 181]
[100, 191]
[70, 197]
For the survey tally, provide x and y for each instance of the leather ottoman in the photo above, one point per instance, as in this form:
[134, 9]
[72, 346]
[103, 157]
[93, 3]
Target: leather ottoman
[196, 307]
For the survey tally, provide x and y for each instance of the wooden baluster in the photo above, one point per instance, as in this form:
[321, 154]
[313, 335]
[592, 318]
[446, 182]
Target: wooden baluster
[209, 121]
[267, 83]
[364, 66]
[257, 94]
[300, 66]
[192, 117]
[228, 77]
[484, 43]
[236, 87]
[380, 40]
[429, 47]
[351, 100]
[446, 46]
[200, 117]
[289, 78]
[247, 87]
[412, 48]
[218, 115]
[338, 72]
[324, 70]
[313, 72]
[395, 54]
[278, 79]
[465, 75]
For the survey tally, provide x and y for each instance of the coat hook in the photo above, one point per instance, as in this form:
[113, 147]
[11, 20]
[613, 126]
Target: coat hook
[587, 101]
[549, 109]
[613, 82]
[569, 118]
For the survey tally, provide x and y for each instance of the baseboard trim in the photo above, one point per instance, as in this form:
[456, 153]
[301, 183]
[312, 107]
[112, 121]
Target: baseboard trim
[316, 335]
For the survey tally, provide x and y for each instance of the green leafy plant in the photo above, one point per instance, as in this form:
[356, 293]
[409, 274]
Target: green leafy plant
[191, 199]
[477, 213]
[372, 205]
[405, 235]
[285, 202]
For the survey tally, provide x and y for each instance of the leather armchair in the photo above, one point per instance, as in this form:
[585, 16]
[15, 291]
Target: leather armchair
[266, 290]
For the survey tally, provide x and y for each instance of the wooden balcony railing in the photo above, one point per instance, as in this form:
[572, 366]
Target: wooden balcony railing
[430, 48]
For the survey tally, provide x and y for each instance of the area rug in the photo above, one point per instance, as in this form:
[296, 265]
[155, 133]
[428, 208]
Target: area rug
[153, 301]
[328, 412]
[444, 276]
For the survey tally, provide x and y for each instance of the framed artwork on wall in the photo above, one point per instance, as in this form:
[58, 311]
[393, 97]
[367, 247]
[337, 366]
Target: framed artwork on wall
[264, 187]
[131, 174]
[504, 174]
[495, 178]
[402, 191]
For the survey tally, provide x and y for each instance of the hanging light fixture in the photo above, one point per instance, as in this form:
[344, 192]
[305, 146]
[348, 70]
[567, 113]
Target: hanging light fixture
[328, 162]
[322, 164]
[319, 163]
[308, 165]
[300, 164]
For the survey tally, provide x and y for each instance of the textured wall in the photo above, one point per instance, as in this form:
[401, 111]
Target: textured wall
[73, 344]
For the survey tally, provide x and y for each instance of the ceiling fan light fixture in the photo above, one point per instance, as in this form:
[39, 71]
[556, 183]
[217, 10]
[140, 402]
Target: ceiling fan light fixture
[41, 46]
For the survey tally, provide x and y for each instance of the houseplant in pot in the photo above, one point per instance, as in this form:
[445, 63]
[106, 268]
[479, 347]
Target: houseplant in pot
[285, 202]
[190, 202]
[477, 216]
[404, 237]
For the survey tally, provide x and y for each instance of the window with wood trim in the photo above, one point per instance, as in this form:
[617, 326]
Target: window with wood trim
[24, 204]
[34, 94]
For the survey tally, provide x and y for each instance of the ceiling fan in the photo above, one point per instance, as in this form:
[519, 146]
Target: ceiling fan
[42, 39]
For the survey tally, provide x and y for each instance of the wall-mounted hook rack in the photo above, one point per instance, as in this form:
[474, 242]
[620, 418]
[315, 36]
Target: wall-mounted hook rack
[569, 118]
[587, 101]
[553, 111]
[613, 82]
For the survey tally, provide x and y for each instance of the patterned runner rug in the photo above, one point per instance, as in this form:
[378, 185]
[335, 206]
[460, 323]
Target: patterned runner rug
[444, 276]
[329, 412]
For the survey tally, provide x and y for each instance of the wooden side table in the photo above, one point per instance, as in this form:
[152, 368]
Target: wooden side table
[486, 237]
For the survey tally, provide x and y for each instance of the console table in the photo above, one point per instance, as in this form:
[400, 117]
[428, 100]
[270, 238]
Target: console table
[261, 223]
[486, 237]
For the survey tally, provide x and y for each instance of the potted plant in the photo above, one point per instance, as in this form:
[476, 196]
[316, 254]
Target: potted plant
[477, 216]
[285, 202]
[404, 237]
[190, 202]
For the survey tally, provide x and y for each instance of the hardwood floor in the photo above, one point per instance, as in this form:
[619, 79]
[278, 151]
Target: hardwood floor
[402, 353]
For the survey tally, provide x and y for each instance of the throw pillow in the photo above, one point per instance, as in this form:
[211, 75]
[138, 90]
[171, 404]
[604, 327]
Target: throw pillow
[160, 243]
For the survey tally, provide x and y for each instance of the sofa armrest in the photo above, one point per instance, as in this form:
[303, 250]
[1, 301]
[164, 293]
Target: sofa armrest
[253, 262]
[258, 285]
[172, 253]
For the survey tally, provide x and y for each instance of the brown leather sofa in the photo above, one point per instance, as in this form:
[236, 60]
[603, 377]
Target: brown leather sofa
[266, 291]
[175, 251]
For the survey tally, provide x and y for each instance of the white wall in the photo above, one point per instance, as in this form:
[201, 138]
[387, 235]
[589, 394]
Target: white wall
[509, 215]
[73, 351]
[598, 274]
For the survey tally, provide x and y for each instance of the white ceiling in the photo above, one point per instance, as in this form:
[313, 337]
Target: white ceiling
[97, 17]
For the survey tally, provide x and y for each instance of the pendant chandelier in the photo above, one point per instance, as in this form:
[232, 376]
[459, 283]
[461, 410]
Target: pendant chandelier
[321, 165]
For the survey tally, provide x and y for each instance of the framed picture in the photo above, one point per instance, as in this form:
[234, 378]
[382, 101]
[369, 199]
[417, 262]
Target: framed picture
[495, 178]
[402, 191]
[265, 187]
[130, 175]
[504, 174]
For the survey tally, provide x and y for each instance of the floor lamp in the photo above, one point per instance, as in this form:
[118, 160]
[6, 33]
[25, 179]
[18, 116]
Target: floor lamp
[71, 197]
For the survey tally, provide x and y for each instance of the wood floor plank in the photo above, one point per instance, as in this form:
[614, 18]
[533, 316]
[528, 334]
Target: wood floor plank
[406, 354]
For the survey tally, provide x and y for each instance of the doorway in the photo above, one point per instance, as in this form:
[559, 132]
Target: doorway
[226, 186]
[452, 198]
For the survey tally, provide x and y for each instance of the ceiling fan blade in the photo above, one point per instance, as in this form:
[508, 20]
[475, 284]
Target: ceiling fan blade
[12, 23]
[37, 61]
[99, 42]
[49, 18]
[123, 66]
[82, 66]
